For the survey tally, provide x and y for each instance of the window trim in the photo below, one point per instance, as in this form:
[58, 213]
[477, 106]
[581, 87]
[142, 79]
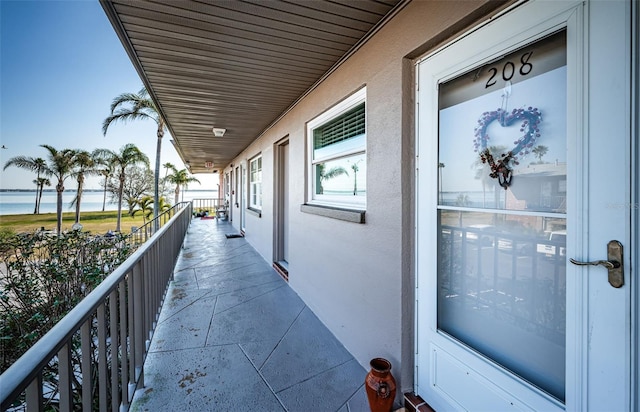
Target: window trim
[250, 204]
[337, 110]
[348, 215]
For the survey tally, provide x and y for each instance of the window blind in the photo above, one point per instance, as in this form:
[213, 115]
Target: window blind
[343, 127]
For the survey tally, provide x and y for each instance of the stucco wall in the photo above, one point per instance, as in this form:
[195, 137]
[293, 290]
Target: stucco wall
[358, 278]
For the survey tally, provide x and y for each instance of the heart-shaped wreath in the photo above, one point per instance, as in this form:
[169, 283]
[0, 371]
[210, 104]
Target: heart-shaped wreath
[501, 168]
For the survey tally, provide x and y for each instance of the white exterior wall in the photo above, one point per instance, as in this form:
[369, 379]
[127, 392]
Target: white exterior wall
[358, 278]
[259, 228]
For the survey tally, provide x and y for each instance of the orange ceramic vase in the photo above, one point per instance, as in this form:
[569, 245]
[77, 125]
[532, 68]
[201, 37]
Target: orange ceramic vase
[380, 386]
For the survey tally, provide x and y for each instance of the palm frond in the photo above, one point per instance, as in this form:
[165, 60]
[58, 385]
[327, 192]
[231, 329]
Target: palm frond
[23, 162]
[124, 116]
[334, 172]
[124, 98]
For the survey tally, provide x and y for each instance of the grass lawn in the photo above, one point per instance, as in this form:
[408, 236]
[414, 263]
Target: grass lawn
[94, 222]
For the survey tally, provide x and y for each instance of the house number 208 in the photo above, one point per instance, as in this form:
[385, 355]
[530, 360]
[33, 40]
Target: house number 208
[509, 70]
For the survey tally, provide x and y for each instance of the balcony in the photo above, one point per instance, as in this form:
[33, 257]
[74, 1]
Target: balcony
[231, 335]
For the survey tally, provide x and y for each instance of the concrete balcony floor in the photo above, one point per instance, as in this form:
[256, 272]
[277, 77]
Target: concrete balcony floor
[232, 335]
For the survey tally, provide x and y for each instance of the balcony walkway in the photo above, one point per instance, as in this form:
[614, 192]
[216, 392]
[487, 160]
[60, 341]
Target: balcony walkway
[233, 336]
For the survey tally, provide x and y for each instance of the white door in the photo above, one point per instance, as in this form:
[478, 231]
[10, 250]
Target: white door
[236, 191]
[243, 197]
[227, 194]
[285, 204]
[523, 163]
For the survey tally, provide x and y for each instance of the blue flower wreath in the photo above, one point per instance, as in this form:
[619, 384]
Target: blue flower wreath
[501, 169]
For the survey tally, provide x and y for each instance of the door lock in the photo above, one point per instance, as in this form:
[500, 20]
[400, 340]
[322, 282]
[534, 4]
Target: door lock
[614, 263]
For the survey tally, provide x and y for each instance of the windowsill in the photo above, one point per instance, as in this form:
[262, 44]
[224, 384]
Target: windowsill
[256, 212]
[349, 215]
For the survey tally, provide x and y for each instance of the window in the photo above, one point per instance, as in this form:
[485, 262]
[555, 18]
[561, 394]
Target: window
[255, 183]
[337, 154]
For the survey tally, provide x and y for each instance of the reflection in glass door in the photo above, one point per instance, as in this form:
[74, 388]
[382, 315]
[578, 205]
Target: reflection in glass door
[502, 212]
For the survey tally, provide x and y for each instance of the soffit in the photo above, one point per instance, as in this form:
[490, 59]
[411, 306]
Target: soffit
[237, 65]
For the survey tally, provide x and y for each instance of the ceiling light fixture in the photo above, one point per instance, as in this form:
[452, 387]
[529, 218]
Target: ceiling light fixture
[218, 132]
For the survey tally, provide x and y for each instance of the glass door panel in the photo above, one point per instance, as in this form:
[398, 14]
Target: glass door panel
[502, 212]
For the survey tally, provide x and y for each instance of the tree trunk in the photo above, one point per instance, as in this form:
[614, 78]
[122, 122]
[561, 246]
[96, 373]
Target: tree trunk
[120, 190]
[79, 198]
[104, 194]
[177, 195]
[35, 209]
[59, 190]
[156, 176]
[355, 183]
[40, 197]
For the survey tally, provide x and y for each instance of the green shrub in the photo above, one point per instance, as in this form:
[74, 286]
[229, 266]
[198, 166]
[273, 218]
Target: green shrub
[42, 277]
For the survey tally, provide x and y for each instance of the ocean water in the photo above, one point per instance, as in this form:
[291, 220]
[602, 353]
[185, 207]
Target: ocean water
[23, 202]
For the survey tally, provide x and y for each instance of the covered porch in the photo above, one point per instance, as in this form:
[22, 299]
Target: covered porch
[232, 335]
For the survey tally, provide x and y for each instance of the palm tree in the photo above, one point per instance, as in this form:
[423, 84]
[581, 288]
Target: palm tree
[138, 106]
[84, 165]
[323, 175]
[167, 166]
[164, 205]
[61, 167]
[539, 151]
[105, 169]
[106, 172]
[40, 182]
[129, 155]
[180, 178]
[355, 169]
[483, 170]
[145, 206]
[37, 165]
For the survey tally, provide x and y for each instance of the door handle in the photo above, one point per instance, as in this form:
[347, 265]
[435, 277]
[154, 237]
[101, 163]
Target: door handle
[614, 263]
[605, 263]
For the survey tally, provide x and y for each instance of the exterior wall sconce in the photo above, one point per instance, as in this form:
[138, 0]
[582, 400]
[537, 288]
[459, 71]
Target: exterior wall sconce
[218, 132]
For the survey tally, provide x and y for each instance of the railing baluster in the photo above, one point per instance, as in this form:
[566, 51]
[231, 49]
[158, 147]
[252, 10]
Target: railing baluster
[34, 395]
[85, 349]
[124, 341]
[64, 378]
[150, 297]
[147, 287]
[159, 286]
[131, 303]
[102, 358]
[114, 358]
[138, 326]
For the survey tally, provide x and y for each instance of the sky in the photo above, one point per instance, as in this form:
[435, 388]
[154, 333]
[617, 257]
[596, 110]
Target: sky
[61, 65]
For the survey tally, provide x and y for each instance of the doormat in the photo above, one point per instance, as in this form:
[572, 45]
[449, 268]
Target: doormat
[233, 235]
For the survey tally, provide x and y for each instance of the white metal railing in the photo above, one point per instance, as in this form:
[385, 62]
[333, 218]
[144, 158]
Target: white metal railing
[210, 206]
[107, 334]
[144, 232]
